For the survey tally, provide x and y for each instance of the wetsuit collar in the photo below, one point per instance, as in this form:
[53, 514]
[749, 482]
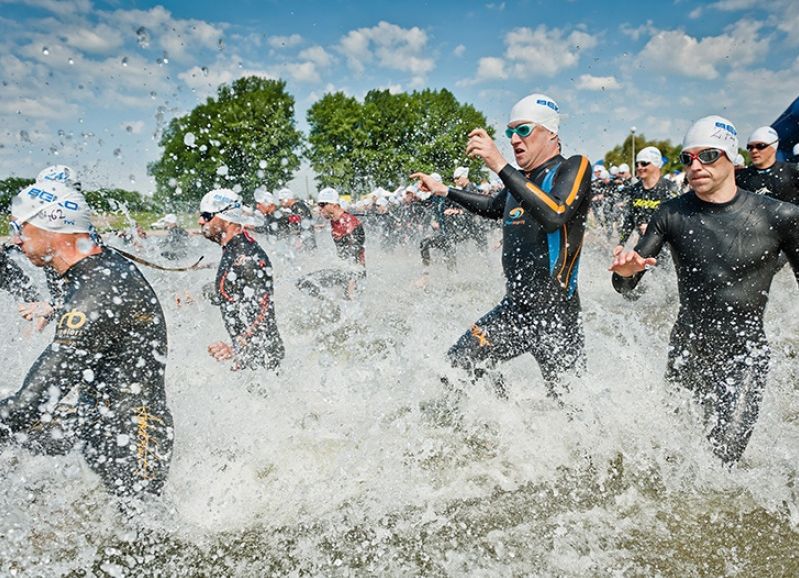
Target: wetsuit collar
[545, 167]
[718, 206]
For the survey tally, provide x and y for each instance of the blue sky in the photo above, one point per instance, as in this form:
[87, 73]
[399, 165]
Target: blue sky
[91, 83]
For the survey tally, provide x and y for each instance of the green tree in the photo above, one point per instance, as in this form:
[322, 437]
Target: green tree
[244, 137]
[357, 146]
[9, 188]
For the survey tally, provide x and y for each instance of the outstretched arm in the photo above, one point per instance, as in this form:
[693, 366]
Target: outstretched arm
[629, 266]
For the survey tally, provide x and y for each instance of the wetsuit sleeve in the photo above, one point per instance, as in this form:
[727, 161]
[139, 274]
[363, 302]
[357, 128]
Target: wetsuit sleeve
[14, 280]
[60, 367]
[649, 246]
[572, 184]
[485, 206]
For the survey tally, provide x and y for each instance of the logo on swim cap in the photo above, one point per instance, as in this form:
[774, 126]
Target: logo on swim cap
[548, 103]
[728, 127]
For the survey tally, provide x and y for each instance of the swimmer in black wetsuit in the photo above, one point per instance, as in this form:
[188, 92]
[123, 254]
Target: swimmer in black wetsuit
[725, 243]
[767, 175]
[110, 344]
[544, 208]
[243, 286]
[349, 238]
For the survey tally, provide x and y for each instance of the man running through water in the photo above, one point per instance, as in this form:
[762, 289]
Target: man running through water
[767, 175]
[349, 238]
[543, 206]
[243, 287]
[725, 243]
[110, 343]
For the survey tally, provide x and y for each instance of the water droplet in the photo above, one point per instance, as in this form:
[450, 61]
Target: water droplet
[204, 70]
[262, 164]
[124, 61]
[45, 50]
[132, 179]
[129, 128]
[61, 132]
[173, 182]
[165, 58]
[118, 153]
[153, 94]
[222, 171]
[143, 37]
[24, 136]
[70, 61]
[189, 139]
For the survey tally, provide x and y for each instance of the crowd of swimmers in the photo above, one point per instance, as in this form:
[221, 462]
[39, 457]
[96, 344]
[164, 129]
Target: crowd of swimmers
[727, 230]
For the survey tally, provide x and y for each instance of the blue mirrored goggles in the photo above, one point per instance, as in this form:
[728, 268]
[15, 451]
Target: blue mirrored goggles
[522, 130]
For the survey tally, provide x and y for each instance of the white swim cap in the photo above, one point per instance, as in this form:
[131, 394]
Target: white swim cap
[614, 170]
[60, 173]
[263, 196]
[285, 194]
[328, 195]
[650, 155]
[437, 178]
[170, 218]
[537, 108]
[765, 134]
[624, 168]
[713, 132]
[53, 206]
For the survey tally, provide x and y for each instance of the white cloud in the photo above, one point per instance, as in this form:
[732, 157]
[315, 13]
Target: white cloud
[206, 80]
[491, 68]
[545, 50]
[318, 55]
[61, 7]
[284, 41]
[97, 39]
[459, 50]
[673, 51]
[589, 82]
[391, 46]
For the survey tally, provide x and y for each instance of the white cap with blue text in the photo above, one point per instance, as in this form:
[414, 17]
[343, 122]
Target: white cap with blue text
[60, 173]
[328, 195]
[713, 132]
[54, 206]
[537, 108]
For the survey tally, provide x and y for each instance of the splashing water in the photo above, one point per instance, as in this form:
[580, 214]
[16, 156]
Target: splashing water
[337, 466]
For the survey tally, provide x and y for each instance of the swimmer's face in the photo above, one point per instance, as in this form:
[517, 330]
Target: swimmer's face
[708, 178]
[266, 209]
[36, 243]
[762, 158]
[212, 229]
[535, 148]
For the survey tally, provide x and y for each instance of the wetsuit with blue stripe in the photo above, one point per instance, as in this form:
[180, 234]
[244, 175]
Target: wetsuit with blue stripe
[543, 214]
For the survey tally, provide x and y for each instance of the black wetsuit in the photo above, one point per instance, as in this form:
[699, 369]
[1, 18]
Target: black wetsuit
[110, 342]
[14, 280]
[440, 238]
[543, 226]
[349, 238]
[780, 180]
[641, 203]
[244, 295]
[725, 256]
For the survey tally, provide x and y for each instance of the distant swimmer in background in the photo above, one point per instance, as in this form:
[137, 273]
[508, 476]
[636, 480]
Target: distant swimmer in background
[349, 238]
[110, 343]
[725, 243]
[243, 288]
[543, 208]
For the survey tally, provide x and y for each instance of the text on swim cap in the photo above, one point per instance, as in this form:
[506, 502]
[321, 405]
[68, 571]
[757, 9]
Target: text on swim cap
[547, 103]
[728, 127]
[50, 197]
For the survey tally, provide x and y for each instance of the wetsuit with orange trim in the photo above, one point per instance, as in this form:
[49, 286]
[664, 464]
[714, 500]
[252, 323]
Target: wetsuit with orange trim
[111, 344]
[244, 294]
[543, 215]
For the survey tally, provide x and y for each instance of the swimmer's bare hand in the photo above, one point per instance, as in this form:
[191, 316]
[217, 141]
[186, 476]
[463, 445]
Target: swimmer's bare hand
[40, 312]
[627, 264]
[221, 351]
[617, 250]
[481, 145]
[429, 185]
